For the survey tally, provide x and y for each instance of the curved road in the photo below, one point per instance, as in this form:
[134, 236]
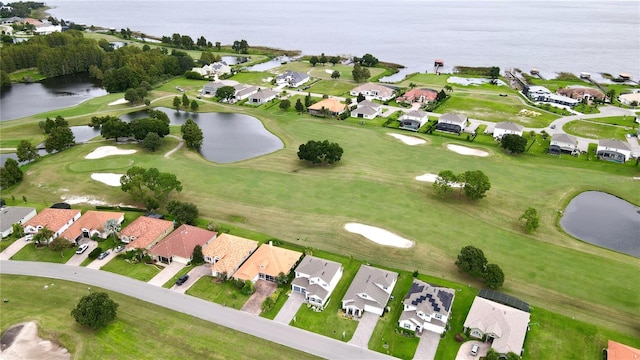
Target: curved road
[234, 319]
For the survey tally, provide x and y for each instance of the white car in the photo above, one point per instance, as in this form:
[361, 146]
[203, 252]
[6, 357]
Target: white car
[82, 248]
[28, 237]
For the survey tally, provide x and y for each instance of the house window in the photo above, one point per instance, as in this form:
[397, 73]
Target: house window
[438, 316]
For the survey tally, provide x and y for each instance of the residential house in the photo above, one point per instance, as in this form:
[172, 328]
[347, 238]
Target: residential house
[613, 150]
[630, 99]
[56, 220]
[617, 351]
[144, 232]
[501, 325]
[421, 96]
[292, 78]
[11, 20]
[562, 142]
[413, 120]
[367, 110]
[331, 106]
[507, 127]
[178, 246]
[369, 291]
[267, 263]
[262, 96]
[212, 87]
[227, 253]
[580, 92]
[426, 307]
[90, 224]
[244, 91]
[453, 123]
[10, 215]
[219, 68]
[316, 278]
[542, 94]
[373, 91]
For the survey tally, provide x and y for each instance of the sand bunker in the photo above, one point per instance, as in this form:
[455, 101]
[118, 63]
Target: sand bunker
[409, 140]
[429, 177]
[378, 235]
[104, 151]
[472, 81]
[26, 344]
[463, 150]
[119, 102]
[73, 200]
[110, 179]
[328, 71]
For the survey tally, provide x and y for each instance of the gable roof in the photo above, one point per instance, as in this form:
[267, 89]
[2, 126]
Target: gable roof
[145, 230]
[269, 260]
[507, 125]
[318, 268]
[430, 299]
[10, 215]
[617, 351]
[91, 220]
[332, 104]
[453, 118]
[182, 241]
[52, 219]
[230, 250]
[382, 90]
[369, 104]
[508, 324]
[563, 138]
[294, 76]
[416, 113]
[368, 281]
[428, 94]
[579, 92]
[263, 94]
[614, 143]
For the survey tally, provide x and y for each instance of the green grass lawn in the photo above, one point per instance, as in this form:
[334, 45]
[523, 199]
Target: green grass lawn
[332, 87]
[141, 330]
[221, 293]
[253, 78]
[4, 243]
[280, 301]
[172, 281]
[31, 253]
[595, 130]
[628, 121]
[139, 271]
[26, 75]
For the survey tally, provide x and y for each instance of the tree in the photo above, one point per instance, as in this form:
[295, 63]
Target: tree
[197, 258]
[335, 74]
[183, 212]
[532, 220]
[185, 101]
[472, 261]
[313, 60]
[194, 105]
[299, 106]
[27, 152]
[448, 88]
[150, 183]
[494, 73]
[241, 47]
[176, 103]
[112, 227]
[360, 98]
[285, 104]
[493, 276]
[334, 60]
[132, 96]
[192, 135]
[318, 152]
[44, 235]
[59, 139]
[115, 128]
[359, 73]
[10, 173]
[513, 143]
[611, 94]
[369, 60]
[141, 127]
[307, 100]
[59, 244]
[18, 230]
[476, 184]
[322, 59]
[152, 142]
[95, 310]
[444, 182]
[441, 95]
[218, 45]
[225, 93]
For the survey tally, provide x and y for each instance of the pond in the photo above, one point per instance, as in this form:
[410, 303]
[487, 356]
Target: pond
[268, 65]
[604, 220]
[228, 137]
[234, 60]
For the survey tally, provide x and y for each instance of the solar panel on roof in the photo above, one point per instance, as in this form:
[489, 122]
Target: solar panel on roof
[504, 299]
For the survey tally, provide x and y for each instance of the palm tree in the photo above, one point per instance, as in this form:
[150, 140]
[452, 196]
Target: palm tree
[448, 88]
[111, 227]
[44, 235]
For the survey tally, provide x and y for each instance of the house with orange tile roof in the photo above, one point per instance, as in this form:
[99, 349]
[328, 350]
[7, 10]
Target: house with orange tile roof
[267, 263]
[332, 105]
[227, 253]
[56, 220]
[422, 96]
[144, 232]
[90, 224]
[617, 351]
[178, 246]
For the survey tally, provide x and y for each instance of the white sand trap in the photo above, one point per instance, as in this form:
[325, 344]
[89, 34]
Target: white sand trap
[73, 200]
[110, 179]
[378, 235]
[119, 102]
[429, 177]
[328, 71]
[104, 151]
[463, 150]
[409, 140]
[636, 178]
[28, 345]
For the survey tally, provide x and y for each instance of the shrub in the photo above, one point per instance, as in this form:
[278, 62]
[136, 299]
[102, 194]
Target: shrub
[95, 252]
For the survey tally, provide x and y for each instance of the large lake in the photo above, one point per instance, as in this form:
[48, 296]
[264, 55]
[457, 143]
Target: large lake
[575, 36]
[604, 220]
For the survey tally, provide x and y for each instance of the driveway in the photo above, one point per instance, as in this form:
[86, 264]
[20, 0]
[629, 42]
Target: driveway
[166, 274]
[194, 275]
[290, 308]
[14, 248]
[97, 264]
[366, 324]
[465, 349]
[427, 346]
[77, 259]
[263, 290]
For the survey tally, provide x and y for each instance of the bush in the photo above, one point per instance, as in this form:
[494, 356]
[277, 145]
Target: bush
[248, 288]
[95, 253]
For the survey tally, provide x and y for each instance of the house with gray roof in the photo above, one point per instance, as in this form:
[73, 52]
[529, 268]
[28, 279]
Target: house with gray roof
[316, 278]
[413, 120]
[452, 123]
[501, 325]
[212, 87]
[292, 78]
[373, 91]
[369, 291]
[367, 110]
[10, 215]
[613, 150]
[507, 127]
[562, 142]
[426, 307]
[262, 96]
[542, 94]
[244, 91]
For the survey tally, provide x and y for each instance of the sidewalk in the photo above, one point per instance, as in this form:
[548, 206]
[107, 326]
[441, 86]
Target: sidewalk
[14, 248]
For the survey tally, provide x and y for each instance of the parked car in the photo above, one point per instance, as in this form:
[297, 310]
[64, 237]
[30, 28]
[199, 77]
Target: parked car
[182, 279]
[474, 349]
[118, 248]
[82, 248]
[103, 255]
[28, 237]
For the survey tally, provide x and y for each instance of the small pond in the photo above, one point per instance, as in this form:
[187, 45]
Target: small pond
[268, 65]
[234, 60]
[228, 137]
[604, 220]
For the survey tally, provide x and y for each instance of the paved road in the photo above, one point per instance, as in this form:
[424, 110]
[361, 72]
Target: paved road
[254, 325]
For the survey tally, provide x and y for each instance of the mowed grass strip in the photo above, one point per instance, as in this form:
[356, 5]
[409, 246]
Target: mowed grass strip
[139, 271]
[32, 253]
[141, 330]
[594, 130]
[220, 293]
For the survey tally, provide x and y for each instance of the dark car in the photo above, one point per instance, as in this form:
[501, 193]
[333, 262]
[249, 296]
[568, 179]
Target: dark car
[103, 255]
[182, 279]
